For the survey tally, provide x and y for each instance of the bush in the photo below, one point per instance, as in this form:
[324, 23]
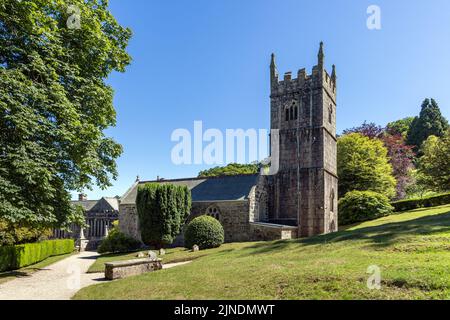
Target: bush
[117, 242]
[204, 231]
[162, 210]
[432, 201]
[19, 256]
[358, 206]
[11, 234]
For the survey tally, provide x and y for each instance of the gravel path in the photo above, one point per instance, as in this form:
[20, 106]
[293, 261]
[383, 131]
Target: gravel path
[59, 281]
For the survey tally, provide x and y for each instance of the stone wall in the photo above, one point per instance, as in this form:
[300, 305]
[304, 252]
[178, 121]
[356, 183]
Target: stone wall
[233, 215]
[129, 221]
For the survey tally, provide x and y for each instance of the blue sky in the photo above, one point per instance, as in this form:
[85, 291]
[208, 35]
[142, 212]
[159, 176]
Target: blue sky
[209, 60]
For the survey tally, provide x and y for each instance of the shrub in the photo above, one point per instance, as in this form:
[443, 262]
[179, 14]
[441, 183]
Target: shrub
[162, 211]
[11, 234]
[358, 206]
[204, 231]
[118, 242]
[18, 256]
[432, 201]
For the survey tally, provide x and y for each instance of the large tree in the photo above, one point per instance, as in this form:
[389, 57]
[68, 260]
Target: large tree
[55, 104]
[363, 165]
[400, 127]
[429, 122]
[162, 211]
[370, 130]
[401, 158]
[434, 165]
[231, 169]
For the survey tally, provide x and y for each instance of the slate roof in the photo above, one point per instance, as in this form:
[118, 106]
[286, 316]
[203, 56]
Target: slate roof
[223, 188]
[86, 204]
[105, 203]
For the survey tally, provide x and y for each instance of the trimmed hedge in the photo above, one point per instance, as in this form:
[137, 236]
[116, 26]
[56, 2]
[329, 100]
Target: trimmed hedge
[19, 256]
[359, 206]
[411, 204]
[204, 231]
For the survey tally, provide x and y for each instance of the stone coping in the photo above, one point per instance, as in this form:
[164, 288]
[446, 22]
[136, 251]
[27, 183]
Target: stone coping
[274, 226]
[132, 262]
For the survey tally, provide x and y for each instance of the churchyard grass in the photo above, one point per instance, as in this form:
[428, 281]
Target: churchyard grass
[411, 250]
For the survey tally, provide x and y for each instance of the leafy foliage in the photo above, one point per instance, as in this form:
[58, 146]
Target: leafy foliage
[15, 257]
[11, 234]
[162, 211]
[401, 158]
[429, 122]
[358, 206]
[400, 127]
[370, 130]
[434, 165]
[363, 165]
[231, 170]
[55, 106]
[204, 231]
[117, 241]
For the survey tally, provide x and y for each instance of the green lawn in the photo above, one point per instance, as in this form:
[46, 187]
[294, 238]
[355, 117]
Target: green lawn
[412, 250]
[28, 271]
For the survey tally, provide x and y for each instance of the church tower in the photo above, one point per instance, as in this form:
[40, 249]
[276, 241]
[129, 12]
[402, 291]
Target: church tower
[304, 191]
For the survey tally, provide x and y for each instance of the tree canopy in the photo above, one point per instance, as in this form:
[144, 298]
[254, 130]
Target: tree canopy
[162, 211]
[363, 165]
[400, 127]
[55, 104]
[435, 162]
[429, 122]
[230, 170]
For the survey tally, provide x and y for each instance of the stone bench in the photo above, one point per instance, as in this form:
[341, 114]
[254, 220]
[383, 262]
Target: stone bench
[122, 269]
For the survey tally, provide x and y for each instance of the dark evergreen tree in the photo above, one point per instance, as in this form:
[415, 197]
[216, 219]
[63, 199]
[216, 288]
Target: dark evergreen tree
[162, 210]
[429, 122]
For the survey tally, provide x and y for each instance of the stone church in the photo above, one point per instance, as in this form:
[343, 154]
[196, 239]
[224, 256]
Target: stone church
[300, 200]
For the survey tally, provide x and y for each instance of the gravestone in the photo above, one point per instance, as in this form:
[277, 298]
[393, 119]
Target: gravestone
[152, 256]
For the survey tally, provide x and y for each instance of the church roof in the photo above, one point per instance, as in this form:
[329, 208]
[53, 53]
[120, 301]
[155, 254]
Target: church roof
[223, 188]
[105, 203]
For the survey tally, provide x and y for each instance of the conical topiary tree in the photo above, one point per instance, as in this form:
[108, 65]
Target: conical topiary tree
[429, 122]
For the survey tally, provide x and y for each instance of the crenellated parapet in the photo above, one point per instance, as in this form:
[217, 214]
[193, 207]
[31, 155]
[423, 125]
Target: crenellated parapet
[319, 78]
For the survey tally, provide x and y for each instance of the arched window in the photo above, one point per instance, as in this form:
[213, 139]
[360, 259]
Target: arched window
[213, 211]
[296, 113]
[287, 114]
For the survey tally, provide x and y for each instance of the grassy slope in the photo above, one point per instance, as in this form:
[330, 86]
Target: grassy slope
[28, 271]
[412, 250]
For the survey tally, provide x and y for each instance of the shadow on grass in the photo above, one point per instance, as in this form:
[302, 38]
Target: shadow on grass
[16, 274]
[378, 236]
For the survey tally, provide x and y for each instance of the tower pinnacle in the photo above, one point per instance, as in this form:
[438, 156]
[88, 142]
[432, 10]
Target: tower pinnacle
[273, 71]
[333, 74]
[320, 56]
